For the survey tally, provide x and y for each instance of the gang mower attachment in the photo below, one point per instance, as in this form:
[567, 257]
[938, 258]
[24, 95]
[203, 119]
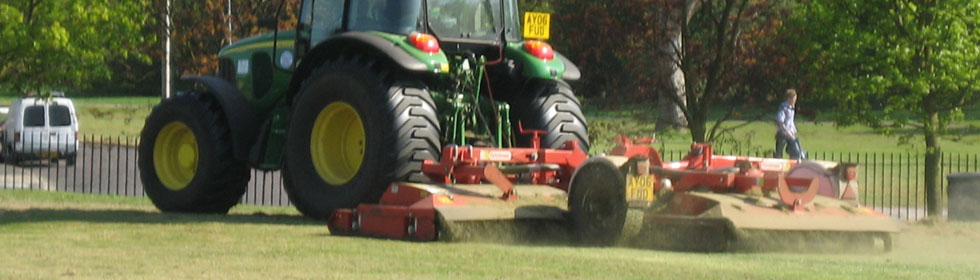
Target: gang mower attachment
[498, 189]
[357, 103]
[708, 202]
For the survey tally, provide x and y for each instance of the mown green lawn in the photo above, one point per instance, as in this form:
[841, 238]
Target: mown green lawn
[60, 235]
[113, 116]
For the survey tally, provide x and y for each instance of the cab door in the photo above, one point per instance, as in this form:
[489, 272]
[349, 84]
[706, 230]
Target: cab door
[60, 130]
[35, 129]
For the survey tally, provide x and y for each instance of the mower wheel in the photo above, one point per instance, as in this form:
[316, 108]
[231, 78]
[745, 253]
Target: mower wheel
[886, 239]
[355, 128]
[551, 106]
[597, 202]
[185, 158]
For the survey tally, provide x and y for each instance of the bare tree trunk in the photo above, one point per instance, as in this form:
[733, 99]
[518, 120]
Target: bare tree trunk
[670, 114]
[673, 94]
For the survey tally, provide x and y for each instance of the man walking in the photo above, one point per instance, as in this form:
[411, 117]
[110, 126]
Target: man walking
[786, 137]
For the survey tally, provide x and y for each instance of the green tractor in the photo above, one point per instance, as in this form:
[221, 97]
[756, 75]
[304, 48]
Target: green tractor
[356, 97]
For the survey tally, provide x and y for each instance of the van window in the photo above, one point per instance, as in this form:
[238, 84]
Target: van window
[34, 116]
[60, 115]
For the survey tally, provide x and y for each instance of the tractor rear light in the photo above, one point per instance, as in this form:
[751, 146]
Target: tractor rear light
[539, 49]
[424, 42]
[851, 173]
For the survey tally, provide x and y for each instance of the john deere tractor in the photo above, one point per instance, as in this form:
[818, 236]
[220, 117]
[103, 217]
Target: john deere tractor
[356, 97]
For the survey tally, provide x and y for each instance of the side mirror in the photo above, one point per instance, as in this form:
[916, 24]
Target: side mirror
[270, 23]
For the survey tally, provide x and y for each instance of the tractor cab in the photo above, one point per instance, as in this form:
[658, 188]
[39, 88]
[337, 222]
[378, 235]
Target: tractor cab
[459, 25]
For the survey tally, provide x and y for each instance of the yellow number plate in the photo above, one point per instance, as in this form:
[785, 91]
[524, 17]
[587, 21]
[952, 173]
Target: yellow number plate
[640, 190]
[537, 25]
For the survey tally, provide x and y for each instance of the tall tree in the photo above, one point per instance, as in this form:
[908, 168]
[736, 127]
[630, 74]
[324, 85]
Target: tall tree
[897, 64]
[720, 38]
[201, 28]
[609, 40]
[58, 44]
[672, 16]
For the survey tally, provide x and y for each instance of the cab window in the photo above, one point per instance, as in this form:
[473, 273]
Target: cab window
[465, 19]
[324, 18]
[392, 16]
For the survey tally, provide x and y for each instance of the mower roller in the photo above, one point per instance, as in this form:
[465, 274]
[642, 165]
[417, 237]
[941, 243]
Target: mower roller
[708, 202]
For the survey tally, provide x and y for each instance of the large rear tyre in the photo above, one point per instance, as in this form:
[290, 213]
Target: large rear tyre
[597, 203]
[185, 158]
[355, 129]
[551, 106]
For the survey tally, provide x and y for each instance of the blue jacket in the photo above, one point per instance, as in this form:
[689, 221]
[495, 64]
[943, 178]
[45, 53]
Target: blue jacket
[785, 119]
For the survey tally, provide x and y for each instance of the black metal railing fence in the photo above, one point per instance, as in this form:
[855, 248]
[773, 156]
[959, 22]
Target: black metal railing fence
[890, 182]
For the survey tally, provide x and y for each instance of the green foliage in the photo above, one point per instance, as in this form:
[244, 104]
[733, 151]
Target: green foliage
[889, 64]
[725, 58]
[610, 41]
[58, 44]
[892, 63]
[200, 28]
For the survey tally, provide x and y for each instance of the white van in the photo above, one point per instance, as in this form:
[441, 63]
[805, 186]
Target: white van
[40, 129]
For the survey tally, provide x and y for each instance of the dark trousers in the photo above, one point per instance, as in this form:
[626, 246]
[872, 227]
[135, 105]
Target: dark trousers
[792, 147]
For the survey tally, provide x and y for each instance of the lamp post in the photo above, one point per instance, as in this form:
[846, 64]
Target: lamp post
[228, 18]
[166, 52]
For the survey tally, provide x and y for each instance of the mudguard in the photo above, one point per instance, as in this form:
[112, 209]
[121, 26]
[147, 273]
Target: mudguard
[241, 118]
[572, 73]
[360, 39]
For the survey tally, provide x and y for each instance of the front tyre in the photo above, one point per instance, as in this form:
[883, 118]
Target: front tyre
[185, 158]
[356, 128]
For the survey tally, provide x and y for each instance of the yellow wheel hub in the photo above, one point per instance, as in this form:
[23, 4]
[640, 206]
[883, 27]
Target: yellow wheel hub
[175, 156]
[337, 143]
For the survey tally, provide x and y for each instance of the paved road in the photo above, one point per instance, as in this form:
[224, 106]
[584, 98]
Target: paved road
[108, 168]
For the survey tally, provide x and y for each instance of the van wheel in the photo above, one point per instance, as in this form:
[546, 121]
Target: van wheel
[9, 156]
[71, 161]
